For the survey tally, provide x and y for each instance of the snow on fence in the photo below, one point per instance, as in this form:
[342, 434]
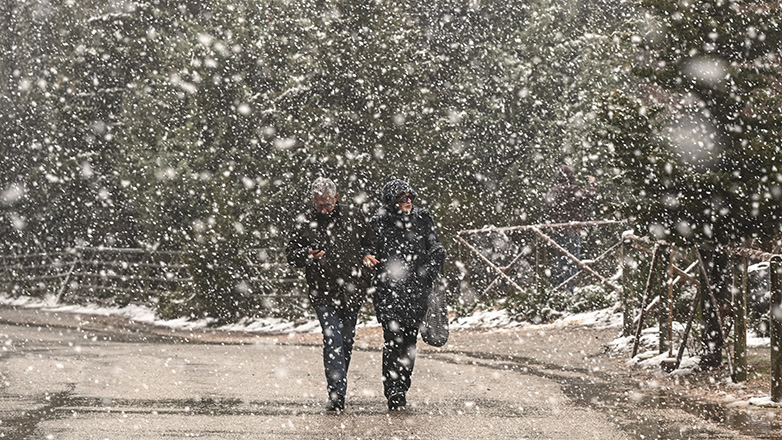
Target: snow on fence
[123, 275]
[659, 293]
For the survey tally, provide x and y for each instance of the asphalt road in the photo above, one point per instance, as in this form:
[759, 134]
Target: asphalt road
[65, 376]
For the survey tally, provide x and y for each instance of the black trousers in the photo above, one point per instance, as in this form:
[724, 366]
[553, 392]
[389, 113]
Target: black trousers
[398, 357]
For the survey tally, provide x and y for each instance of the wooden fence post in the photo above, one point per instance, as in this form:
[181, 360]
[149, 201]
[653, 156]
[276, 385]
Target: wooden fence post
[669, 285]
[642, 308]
[4, 276]
[716, 310]
[661, 280]
[539, 264]
[775, 321]
[628, 296]
[65, 282]
[740, 319]
[688, 328]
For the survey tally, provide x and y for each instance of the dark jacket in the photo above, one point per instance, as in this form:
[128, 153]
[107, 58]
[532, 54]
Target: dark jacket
[410, 255]
[566, 200]
[337, 278]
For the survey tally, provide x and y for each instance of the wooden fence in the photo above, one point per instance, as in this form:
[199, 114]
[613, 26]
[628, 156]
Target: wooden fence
[534, 250]
[124, 275]
[670, 268]
[135, 275]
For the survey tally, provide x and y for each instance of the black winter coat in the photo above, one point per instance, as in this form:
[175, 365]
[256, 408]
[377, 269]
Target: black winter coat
[410, 255]
[337, 278]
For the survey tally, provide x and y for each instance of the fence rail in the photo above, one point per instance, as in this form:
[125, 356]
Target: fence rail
[533, 249]
[134, 274]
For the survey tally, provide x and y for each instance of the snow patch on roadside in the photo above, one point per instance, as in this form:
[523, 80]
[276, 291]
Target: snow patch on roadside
[481, 319]
[146, 315]
[600, 319]
[650, 358]
[488, 319]
[500, 319]
[765, 402]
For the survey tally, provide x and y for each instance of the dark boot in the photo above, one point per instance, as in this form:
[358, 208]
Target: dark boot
[397, 402]
[336, 403]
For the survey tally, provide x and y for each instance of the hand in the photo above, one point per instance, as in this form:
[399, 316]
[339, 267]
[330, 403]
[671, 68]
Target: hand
[316, 254]
[591, 180]
[370, 261]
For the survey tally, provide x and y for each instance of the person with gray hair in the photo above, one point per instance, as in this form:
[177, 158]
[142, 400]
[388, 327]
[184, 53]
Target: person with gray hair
[329, 243]
[324, 187]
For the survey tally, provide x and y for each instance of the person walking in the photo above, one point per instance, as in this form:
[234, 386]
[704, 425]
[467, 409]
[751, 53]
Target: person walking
[409, 257]
[565, 201]
[329, 243]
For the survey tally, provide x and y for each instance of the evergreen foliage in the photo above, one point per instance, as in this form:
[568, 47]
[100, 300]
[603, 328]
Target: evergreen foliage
[198, 125]
[702, 139]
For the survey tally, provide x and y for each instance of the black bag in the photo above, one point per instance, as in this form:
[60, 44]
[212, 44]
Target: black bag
[434, 328]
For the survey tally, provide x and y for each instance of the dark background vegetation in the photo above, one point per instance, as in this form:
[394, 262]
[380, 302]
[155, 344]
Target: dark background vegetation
[197, 126]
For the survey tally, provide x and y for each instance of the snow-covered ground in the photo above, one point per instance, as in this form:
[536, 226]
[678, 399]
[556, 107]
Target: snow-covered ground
[500, 319]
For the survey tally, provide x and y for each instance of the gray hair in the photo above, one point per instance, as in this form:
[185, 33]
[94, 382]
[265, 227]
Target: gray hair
[323, 187]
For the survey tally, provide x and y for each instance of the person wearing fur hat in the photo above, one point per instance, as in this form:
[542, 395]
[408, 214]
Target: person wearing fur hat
[409, 256]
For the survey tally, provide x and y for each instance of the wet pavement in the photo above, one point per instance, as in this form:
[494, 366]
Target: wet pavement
[66, 376]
